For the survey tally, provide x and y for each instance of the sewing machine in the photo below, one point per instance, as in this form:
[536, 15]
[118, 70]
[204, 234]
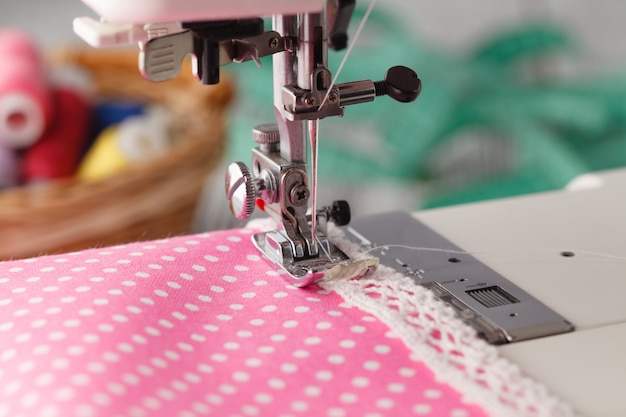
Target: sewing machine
[517, 301]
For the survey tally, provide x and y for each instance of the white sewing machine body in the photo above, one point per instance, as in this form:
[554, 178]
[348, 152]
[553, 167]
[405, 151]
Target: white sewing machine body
[522, 239]
[513, 237]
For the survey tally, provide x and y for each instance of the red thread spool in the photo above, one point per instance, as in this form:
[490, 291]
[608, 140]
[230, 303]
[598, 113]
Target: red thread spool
[25, 103]
[57, 153]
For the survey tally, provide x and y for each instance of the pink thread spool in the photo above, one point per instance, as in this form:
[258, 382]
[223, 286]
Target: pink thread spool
[57, 153]
[25, 103]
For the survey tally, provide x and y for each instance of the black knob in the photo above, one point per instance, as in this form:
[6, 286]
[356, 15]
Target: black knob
[340, 212]
[401, 84]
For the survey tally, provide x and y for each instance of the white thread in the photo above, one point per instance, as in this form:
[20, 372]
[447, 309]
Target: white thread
[358, 31]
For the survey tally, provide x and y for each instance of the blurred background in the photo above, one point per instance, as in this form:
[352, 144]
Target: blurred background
[518, 97]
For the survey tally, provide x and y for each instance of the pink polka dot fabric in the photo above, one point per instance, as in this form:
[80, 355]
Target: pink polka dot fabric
[193, 326]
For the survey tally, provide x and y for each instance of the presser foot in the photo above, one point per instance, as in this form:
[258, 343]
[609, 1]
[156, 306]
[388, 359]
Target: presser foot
[330, 263]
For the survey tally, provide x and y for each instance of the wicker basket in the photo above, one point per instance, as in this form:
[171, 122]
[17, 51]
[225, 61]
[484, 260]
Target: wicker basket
[147, 201]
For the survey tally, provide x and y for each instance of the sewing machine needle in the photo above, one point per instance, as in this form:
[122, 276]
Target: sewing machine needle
[313, 126]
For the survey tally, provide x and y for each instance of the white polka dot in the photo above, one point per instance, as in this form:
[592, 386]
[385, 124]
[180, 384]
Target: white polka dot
[64, 279]
[152, 331]
[96, 367]
[223, 248]
[211, 258]
[64, 394]
[236, 307]
[231, 345]
[357, 329]
[75, 350]
[312, 340]
[205, 298]
[205, 368]
[126, 347]
[371, 365]
[323, 325]
[348, 398]
[23, 337]
[56, 336]
[260, 282]
[280, 294]
[166, 394]
[257, 322]
[289, 368]
[300, 353]
[396, 388]
[278, 338]
[432, 393]
[313, 299]
[146, 300]
[186, 276]
[155, 266]
[115, 291]
[347, 344]
[133, 309]
[174, 285]
[5, 301]
[91, 338]
[336, 359]
[299, 406]
[382, 349]
[384, 403]
[37, 323]
[224, 317]
[211, 327]
[139, 339]
[26, 367]
[180, 250]
[459, 412]
[227, 389]
[60, 363]
[360, 381]
[80, 379]
[111, 357]
[253, 362]
[68, 300]
[219, 357]
[171, 355]
[159, 363]
[244, 333]
[406, 372]
[229, 278]
[263, 398]
[8, 355]
[53, 288]
[123, 261]
[79, 269]
[109, 270]
[129, 283]
[16, 269]
[336, 412]
[421, 409]
[160, 293]
[21, 312]
[178, 315]
[120, 318]
[44, 379]
[105, 327]
[142, 274]
[166, 323]
[324, 375]
[241, 268]
[290, 324]
[96, 279]
[241, 376]
[217, 288]
[253, 258]
[30, 279]
[9, 325]
[248, 294]
[145, 370]
[276, 383]
[116, 388]
[185, 347]
[152, 403]
[102, 399]
[266, 349]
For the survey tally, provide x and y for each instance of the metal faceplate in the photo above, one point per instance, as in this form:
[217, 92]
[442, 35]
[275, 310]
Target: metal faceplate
[500, 311]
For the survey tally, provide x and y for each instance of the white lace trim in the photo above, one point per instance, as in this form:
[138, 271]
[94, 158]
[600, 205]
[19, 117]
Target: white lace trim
[448, 346]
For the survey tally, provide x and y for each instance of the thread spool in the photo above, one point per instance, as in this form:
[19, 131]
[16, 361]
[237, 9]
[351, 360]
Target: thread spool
[104, 158]
[57, 153]
[9, 167]
[25, 103]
